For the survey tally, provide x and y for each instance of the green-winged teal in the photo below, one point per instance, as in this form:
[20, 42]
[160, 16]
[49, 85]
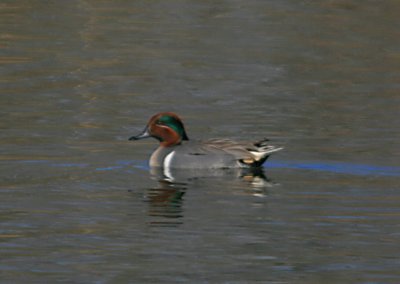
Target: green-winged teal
[176, 151]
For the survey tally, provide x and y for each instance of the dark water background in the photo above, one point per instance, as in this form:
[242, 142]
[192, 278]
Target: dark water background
[78, 203]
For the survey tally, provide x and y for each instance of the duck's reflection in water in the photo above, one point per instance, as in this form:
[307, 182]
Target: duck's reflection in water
[166, 200]
[250, 179]
[165, 203]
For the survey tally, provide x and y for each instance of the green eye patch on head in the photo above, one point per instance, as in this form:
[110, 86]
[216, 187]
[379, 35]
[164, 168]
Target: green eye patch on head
[175, 124]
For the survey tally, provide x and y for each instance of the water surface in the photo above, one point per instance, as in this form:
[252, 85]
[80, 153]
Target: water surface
[78, 201]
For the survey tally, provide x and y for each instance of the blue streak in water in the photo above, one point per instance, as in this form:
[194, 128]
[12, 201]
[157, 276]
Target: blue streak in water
[142, 165]
[336, 167]
[111, 168]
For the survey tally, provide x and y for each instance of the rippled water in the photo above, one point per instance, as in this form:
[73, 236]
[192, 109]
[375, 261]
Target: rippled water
[78, 201]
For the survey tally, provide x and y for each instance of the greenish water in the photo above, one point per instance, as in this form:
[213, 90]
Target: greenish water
[78, 202]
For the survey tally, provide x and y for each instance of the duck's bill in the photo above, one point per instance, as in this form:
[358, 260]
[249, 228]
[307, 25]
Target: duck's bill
[144, 134]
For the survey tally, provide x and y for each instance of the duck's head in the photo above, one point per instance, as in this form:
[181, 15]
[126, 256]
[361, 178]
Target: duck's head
[166, 127]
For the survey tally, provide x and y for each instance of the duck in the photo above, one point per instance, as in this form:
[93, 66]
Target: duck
[177, 151]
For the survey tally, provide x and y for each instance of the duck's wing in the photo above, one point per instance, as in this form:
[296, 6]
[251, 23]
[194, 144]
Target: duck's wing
[249, 153]
[195, 154]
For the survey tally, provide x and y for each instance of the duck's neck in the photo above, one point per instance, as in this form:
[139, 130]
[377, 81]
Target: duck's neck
[158, 156]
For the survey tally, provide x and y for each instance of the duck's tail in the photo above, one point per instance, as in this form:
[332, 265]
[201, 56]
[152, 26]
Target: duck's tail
[263, 151]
